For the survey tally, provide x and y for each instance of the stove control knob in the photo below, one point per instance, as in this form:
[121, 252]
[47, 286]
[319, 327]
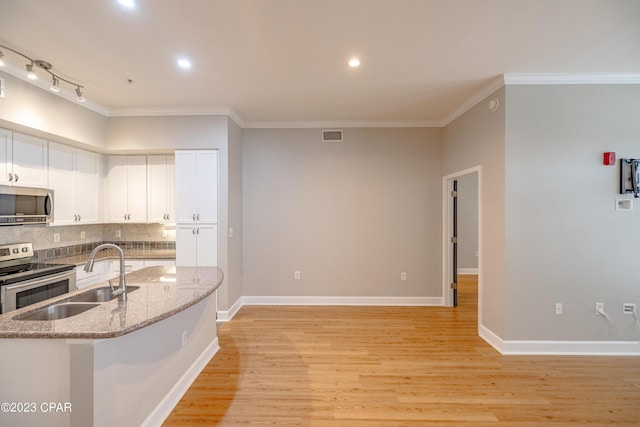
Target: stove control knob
[15, 250]
[25, 249]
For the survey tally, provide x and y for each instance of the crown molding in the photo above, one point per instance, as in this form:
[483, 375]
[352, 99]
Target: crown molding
[342, 124]
[495, 84]
[571, 78]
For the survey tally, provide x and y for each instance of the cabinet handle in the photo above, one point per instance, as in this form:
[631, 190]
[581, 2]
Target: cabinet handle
[198, 216]
[75, 218]
[194, 217]
[10, 177]
[125, 217]
[197, 231]
[129, 217]
[193, 231]
[16, 177]
[79, 217]
[168, 217]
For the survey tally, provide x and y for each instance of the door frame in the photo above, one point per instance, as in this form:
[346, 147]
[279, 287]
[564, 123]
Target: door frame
[447, 230]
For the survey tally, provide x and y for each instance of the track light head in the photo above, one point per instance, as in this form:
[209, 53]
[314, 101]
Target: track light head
[80, 97]
[55, 84]
[30, 74]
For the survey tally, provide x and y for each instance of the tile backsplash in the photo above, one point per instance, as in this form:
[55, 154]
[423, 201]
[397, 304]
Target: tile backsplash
[74, 237]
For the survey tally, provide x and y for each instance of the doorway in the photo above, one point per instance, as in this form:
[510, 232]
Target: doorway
[452, 195]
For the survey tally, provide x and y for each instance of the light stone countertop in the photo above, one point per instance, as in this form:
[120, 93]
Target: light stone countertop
[163, 292]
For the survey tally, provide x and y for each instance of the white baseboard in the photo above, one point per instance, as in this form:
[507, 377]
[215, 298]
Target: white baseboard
[397, 301]
[171, 399]
[468, 271]
[560, 348]
[225, 316]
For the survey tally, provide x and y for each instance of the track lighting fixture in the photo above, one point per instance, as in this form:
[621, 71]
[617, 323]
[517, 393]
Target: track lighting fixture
[80, 97]
[30, 74]
[55, 84]
[47, 67]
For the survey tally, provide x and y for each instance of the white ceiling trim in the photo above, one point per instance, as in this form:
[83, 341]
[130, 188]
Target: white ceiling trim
[341, 124]
[568, 79]
[487, 90]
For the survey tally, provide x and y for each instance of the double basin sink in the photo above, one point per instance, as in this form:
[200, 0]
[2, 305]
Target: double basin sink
[75, 305]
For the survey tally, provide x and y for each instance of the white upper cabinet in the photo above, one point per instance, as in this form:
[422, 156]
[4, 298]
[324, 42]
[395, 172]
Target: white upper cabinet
[23, 160]
[197, 186]
[127, 189]
[74, 177]
[161, 188]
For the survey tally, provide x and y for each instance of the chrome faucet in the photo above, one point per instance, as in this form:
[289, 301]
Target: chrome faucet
[121, 283]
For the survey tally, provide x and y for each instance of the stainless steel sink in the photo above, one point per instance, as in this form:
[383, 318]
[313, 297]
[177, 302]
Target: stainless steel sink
[99, 295]
[57, 311]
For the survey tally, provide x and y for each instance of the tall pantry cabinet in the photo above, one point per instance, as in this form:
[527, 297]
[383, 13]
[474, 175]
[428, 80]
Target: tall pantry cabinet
[196, 207]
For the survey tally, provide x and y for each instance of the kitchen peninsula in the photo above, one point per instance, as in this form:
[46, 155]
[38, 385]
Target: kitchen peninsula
[118, 363]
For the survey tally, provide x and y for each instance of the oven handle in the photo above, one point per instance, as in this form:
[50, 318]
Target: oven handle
[29, 283]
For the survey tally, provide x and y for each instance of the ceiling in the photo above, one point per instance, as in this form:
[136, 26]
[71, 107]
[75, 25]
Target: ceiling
[285, 61]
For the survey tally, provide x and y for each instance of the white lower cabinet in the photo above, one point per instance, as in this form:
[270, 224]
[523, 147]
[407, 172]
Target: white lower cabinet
[197, 245]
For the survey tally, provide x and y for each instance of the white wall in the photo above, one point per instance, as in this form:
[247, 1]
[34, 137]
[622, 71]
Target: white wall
[29, 109]
[349, 216]
[565, 242]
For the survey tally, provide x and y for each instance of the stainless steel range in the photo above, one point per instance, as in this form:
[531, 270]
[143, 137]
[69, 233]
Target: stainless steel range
[24, 282]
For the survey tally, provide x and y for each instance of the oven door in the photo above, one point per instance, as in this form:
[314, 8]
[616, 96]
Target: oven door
[18, 295]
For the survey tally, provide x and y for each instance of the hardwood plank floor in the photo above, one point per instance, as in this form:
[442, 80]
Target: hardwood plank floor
[396, 366]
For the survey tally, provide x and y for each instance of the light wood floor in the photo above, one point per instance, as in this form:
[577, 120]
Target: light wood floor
[396, 366]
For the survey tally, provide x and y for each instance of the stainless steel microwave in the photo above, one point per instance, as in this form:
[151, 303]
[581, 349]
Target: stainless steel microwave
[25, 205]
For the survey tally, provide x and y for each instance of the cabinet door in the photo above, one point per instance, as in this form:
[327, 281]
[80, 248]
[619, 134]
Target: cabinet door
[29, 161]
[127, 193]
[160, 188]
[185, 186]
[186, 254]
[137, 188]
[87, 187]
[62, 182]
[5, 156]
[117, 195]
[207, 246]
[207, 186]
[197, 186]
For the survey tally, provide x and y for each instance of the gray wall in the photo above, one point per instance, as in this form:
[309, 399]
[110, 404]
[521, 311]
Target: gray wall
[477, 138]
[565, 241]
[233, 275]
[349, 216]
[468, 222]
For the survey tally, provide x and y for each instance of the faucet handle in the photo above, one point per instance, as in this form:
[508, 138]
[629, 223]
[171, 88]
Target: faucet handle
[113, 288]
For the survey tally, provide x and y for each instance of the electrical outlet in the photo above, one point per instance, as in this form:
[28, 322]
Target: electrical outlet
[628, 308]
[296, 275]
[558, 308]
[599, 307]
[185, 336]
[56, 237]
[403, 276]
[118, 233]
[83, 235]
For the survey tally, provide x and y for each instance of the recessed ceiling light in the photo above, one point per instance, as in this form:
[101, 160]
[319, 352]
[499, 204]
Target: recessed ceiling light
[354, 62]
[127, 3]
[183, 63]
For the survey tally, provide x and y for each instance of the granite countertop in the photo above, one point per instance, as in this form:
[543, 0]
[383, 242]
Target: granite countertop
[113, 254]
[163, 292]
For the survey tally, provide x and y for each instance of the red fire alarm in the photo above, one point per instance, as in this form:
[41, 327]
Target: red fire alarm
[609, 158]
